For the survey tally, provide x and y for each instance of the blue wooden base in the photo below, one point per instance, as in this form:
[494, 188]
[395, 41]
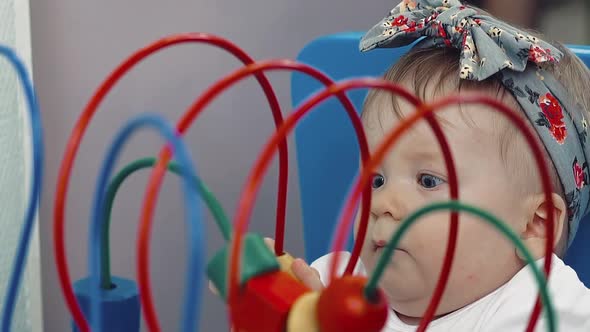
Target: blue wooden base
[120, 305]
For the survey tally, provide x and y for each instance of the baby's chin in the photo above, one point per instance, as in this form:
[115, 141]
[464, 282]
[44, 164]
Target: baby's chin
[409, 292]
[401, 281]
[410, 300]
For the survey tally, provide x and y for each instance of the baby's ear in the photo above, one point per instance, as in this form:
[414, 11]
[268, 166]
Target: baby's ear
[535, 232]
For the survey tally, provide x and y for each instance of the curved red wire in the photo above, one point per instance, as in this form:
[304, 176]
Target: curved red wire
[454, 218]
[537, 151]
[253, 183]
[82, 124]
[453, 226]
[255, 178]
[189, 117]
[394, 135]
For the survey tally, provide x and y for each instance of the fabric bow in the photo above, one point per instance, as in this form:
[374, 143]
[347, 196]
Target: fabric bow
[486, 45]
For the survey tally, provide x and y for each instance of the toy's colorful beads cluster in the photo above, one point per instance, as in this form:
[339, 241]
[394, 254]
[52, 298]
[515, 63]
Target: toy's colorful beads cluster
[272, 299]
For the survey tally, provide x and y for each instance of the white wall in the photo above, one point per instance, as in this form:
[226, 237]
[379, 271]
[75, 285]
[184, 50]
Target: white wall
[15, 168]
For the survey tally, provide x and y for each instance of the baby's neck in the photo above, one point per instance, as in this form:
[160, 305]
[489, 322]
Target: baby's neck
[414, 321]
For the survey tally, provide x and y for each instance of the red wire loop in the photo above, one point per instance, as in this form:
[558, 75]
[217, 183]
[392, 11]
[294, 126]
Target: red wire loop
[443, 278]
[190, 116]
[74, 144]
[262, 163]
[453, 229]
[405, 125]
[257, 173]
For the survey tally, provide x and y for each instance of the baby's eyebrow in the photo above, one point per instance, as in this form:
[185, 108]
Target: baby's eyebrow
[423, 154]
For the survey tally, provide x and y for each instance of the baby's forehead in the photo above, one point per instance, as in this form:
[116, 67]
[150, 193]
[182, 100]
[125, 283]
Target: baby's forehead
[385, 112]
[433, 86]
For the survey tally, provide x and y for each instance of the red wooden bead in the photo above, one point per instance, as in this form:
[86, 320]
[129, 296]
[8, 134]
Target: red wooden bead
[263, 304]
[343, 307]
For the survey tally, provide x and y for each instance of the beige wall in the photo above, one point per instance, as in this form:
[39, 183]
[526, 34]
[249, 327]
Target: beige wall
[569, 23]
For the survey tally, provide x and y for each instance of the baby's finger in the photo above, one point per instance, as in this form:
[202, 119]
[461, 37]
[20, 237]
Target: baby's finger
[270, 243]
[307, 275]
[213, 289]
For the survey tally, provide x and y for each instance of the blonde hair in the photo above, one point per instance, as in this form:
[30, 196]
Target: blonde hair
[438, 68]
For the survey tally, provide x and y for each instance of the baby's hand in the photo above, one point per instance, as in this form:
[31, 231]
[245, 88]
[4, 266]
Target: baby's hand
[307, 275]
[212, 288]
[301, 270]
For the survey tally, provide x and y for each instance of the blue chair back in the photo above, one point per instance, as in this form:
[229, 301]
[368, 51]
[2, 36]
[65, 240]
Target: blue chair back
[327, 148]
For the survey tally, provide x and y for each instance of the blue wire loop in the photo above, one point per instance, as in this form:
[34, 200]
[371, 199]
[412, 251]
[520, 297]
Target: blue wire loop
[35, 190]
[196, 256]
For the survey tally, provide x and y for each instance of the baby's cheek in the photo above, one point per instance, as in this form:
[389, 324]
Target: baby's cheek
[431, 234]
[481, 249]
[430, 239]
[428, 250]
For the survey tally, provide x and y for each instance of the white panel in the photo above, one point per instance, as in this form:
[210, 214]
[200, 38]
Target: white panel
[15, 163]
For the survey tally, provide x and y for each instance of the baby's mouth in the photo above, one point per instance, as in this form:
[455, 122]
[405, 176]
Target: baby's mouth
[380, 245]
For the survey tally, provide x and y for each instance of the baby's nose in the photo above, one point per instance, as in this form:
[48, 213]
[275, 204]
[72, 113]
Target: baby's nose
[387, 206]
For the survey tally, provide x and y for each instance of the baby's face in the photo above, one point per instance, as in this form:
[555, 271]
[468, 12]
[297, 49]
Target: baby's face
[414, 175]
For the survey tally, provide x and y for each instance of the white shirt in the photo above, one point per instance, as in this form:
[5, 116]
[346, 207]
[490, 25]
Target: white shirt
[507, 308]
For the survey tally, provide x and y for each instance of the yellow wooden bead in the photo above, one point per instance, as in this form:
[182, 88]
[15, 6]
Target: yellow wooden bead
[285, 262]
[303, 314]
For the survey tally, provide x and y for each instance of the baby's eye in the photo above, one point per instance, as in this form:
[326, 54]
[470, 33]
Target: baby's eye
[378, 181]
[429, 181]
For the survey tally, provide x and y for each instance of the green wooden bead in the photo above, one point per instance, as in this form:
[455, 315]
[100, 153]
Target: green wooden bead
[256, 259]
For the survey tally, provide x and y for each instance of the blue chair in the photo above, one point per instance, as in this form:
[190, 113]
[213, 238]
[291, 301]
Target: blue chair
[327, 149]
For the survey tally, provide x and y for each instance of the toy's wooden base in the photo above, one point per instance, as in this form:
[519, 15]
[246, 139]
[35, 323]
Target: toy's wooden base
[120, 305]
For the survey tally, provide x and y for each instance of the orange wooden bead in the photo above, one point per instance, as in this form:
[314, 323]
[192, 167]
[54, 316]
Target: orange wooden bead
[343, 307]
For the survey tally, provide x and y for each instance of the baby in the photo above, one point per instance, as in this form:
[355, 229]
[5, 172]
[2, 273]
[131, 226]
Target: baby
[466, 51]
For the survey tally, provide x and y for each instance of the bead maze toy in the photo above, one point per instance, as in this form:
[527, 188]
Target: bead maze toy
[261, 293]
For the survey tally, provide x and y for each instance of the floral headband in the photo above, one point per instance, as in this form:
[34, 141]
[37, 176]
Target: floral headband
[490, 47]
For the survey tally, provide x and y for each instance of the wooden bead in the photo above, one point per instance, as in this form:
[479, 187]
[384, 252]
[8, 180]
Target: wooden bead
[285, 263]
[257, 259]
[343, 307]
[264, 303]
[303, 315]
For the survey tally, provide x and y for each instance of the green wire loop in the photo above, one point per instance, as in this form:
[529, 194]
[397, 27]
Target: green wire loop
[105, 252]
[371, 287]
